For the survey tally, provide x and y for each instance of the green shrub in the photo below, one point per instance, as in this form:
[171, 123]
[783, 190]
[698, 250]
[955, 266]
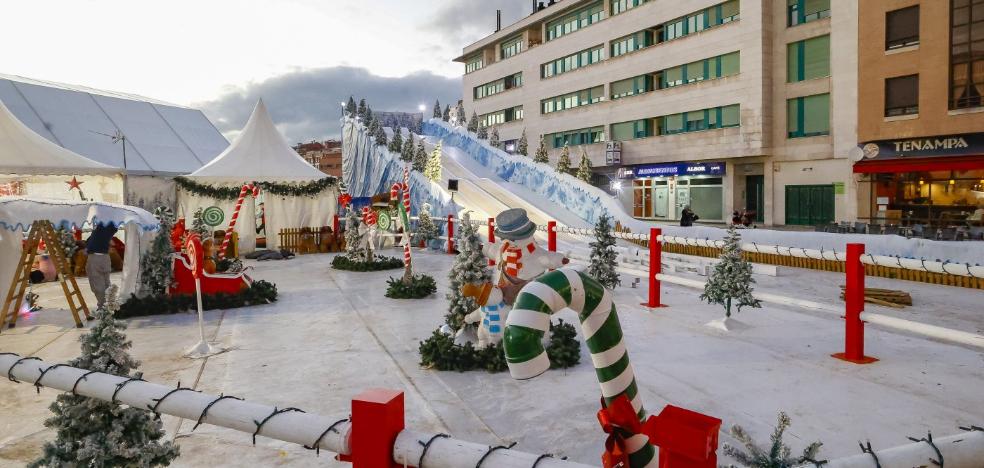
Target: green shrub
[261, 292]
[440, 352]
[342, 262]
[420, 286]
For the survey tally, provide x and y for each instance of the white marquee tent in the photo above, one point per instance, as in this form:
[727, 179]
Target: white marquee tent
[30, 165]
[261, 154]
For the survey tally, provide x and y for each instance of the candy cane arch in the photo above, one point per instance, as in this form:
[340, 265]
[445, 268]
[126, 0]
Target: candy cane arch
[530, 319]
[404, 209]
[235, 216]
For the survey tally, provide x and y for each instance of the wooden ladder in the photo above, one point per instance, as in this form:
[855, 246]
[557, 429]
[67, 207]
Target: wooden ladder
[42, 230]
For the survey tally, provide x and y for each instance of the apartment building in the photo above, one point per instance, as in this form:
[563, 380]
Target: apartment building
[326, 155]
[921, 113]
[720, 105]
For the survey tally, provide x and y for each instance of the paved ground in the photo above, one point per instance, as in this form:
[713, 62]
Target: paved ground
[333, 334]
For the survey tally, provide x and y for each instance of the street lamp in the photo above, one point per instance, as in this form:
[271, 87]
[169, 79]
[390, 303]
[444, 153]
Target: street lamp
[343, 108]
[421, 107]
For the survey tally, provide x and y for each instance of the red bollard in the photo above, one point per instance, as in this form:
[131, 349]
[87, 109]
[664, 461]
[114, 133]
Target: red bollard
[854, 299]
[491, 237]
[450, 234]
[552, 236]
[686, 439]
[334, 224]
[655, 267]
[377, 418]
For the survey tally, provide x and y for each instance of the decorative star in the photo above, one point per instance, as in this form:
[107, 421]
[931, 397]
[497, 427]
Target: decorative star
[74, 184]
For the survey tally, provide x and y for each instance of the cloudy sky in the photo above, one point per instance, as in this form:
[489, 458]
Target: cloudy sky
[302, 56]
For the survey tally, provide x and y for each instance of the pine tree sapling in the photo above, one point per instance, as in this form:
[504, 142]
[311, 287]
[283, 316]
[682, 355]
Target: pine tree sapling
[437, 109]
[157, 265]
[730, 283]
[459, 112]
[407, 152]
[361, 112]
[426, 229]
[473, 123]
[369, 115]
[483, 133]
[469, 266]
[604, 259]
[350, 108]
[396, 143]
[198, 224]
[91, 432]
[353, 240]
[433, 169]
[564, 161]
[420, 157]
[541, 153]
[446, 116]
[494, 138]
[523, 147]
[584, 167]
[778, 454]
[380, 135]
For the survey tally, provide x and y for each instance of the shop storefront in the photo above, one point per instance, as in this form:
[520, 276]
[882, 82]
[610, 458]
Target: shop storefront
[933, 181]
[661, 191]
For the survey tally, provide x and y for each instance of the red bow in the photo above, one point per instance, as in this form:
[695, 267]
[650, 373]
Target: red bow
[344, 199]
[620, 422]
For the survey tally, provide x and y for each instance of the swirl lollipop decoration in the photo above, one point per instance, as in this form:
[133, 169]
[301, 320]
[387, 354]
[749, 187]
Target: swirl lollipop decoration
[213, 216]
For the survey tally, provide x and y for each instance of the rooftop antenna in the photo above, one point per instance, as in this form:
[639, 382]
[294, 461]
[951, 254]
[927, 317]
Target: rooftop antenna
[498, 20]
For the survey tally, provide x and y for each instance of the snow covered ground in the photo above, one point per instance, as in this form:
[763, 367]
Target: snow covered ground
[333, 334]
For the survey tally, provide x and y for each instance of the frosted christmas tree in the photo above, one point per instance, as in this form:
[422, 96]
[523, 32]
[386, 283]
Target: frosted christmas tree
[420, 157]
[541, 153]
[93, 432]
[778, 454]
[380, 135]
[361, 112]
[407, 152]
[473, 123]
[350, 109]
[564, 161]
[198, 224]
[353, 238]
[494, 137]
[396, 143]
[483, 133]
[426, 229]
[459, 114]
[604, 259]
[584, 167]
[447, 114]
[523, 146]
[157, 265]
[437, 109]
[369, 115]
[731, 281]
[470, 266]
[433, 169]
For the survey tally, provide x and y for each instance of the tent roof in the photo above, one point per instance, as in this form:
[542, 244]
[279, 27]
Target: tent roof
[18, 213]
[24, 152]
[260, 153]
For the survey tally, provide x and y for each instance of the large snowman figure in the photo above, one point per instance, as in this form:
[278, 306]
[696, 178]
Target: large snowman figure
[517, 255]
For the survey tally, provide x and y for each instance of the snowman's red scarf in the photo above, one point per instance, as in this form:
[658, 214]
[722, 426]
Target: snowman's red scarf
[512, 256]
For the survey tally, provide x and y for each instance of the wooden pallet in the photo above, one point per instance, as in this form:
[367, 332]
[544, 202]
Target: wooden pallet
[42, 231]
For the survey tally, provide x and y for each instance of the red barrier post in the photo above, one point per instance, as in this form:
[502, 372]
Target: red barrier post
[377, 418]
[854, 300]
[491, 225]
[552, 236]
[334, 224]
[655, 268]
[450, 234]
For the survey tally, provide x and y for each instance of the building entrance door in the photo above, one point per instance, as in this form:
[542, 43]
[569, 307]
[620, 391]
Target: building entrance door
[809, 205]
[755, 196]
[682, 200]
[661, 201]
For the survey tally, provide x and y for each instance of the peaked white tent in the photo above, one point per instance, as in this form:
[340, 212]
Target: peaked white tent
[261, 154]
[33, 166]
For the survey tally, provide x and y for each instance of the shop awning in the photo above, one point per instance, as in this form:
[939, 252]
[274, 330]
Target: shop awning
[958, 163]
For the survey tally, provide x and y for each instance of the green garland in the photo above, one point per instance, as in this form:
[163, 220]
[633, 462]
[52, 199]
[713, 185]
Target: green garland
[309, 189]
[261, 292]
[440, 352]
[420, 286]
[379, 263]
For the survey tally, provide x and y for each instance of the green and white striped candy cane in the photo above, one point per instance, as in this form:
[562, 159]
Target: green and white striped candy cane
[529, 319]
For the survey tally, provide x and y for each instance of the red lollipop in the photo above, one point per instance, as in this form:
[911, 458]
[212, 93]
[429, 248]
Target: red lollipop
[196, 255]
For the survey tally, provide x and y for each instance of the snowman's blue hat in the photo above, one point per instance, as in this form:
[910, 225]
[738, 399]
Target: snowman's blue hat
[514, 224]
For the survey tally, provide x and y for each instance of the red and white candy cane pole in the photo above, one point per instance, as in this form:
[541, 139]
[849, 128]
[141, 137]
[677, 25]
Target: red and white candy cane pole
[196, 260]
[235, 216]
[404, 210]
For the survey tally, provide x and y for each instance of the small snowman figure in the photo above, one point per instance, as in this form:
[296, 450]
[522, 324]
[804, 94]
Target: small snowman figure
[491, 314]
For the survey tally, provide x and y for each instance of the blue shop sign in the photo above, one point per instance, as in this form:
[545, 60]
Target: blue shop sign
[673, 169]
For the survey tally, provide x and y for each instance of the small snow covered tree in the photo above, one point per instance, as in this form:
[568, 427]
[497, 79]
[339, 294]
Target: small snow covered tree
[198, 224]
[433, 169]
[459, 114]
[731, 281]
[564, 161]
[396, 143]
[603, 255]
[369, 115]
[483, 133]
[406, 153]
[447, 114]
[473, 123]
[353, 240]
[361, 112]
[523, 147]
[157, 265]
[350, 109]
[778, 454]
[91, 432]
[584, 167]
[541, 153]
[426, 229]
[380, 135]
[420, 157]
[469, 266]
[494, 137]
[437, 109]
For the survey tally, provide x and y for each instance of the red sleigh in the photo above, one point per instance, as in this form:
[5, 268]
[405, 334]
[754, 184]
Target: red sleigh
[212, 283]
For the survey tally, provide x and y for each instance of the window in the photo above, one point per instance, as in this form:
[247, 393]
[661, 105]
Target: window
[632, 86]
[696, 22]
[804, 11]
[632, 130]
[511, 47]
[498, 86]
[574, 21]
[705, 119]
[620, 6]
[966, 53]
[808, 59]
[501, 117]
[808, 116]
[902, 28]
[584, 136]
[473, 63]
[572, 62]
[571, 100]
[632, 42]
[902, 96]
[714, 67]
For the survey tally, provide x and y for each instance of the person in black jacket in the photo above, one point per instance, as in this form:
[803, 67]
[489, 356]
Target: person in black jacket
[687, 217]
[97, 264]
